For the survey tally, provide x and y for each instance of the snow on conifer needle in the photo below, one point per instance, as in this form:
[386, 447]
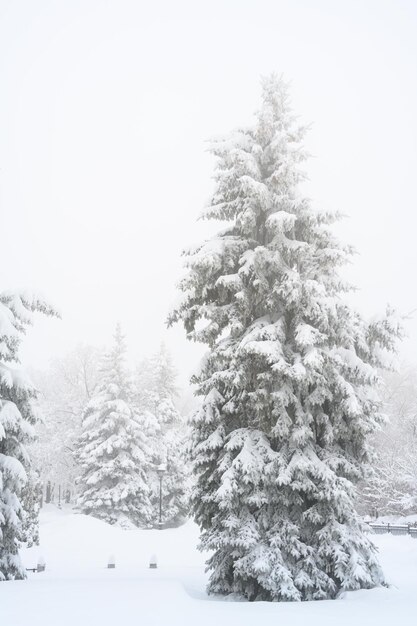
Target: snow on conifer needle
[289, 380]
[17, 417]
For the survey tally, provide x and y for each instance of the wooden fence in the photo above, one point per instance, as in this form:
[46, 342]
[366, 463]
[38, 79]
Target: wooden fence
[393, 529]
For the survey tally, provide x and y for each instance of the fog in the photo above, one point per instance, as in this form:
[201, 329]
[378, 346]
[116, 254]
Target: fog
[105, 110]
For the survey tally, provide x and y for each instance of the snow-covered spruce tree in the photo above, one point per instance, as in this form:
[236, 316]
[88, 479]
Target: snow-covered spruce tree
[113, 451]
[169, 442]
[17, 419]
[289, 379]
[31, 503]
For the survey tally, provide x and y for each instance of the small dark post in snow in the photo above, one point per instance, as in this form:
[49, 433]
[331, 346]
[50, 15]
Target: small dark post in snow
[41, 566]
[153, 563]
[111, 564]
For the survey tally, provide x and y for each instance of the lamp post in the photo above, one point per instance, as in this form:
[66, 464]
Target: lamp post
[161, 469]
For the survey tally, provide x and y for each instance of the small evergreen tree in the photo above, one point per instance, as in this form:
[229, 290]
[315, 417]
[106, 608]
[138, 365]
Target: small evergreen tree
[113, 450]
[31, 504]
[289, 379]
[169, 441]
[17, 419]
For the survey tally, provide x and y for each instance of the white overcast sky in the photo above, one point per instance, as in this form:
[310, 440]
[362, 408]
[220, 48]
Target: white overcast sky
[105, 107]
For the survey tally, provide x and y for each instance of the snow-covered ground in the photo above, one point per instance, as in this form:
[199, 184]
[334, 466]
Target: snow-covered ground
[77, 589]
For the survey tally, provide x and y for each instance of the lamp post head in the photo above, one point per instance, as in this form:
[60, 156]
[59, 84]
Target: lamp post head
[161, 469]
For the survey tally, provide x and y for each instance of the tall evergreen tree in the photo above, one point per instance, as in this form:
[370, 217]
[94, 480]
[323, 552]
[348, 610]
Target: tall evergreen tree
[17, 419]
[289, 379]
[113, 450]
